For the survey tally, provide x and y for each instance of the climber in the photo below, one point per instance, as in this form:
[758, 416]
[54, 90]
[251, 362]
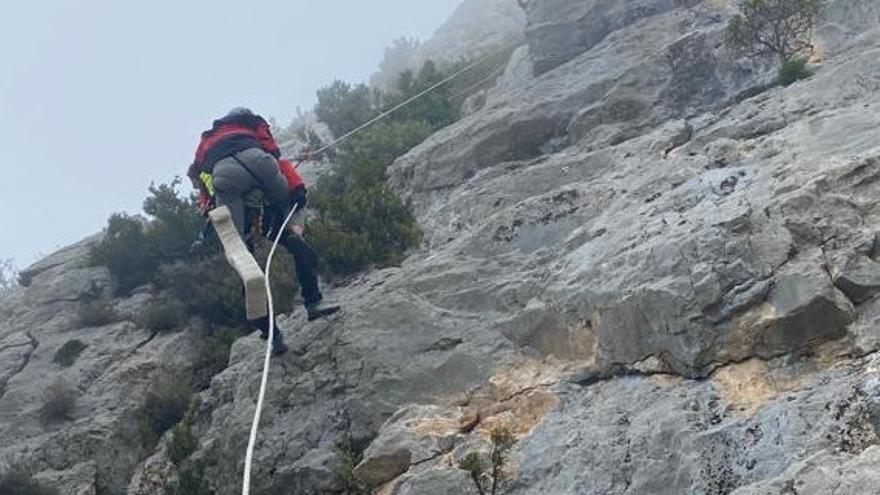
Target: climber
[239, 156]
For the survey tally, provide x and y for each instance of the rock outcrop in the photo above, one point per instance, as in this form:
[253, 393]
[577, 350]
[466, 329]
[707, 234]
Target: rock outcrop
[99, 447]
[655, 269]
[475, 27]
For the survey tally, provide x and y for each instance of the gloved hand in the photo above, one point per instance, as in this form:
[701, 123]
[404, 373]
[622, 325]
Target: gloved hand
[205, 203]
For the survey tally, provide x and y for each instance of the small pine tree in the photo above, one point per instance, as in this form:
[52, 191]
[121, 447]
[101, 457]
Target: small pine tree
[490, 476]
[344, 107]
[350, 453]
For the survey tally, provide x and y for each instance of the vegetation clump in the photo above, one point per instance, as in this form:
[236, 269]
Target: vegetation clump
[68, 353]
[350, 452]
[163, 315]
[792, 71]
[183, 443]
[782, 28]
[190, 481]
[96, 313]
[59, 401]
[212, 354]
[18, 481]
[166, 403]
[489, 476]
[134, 248]
[360, 221]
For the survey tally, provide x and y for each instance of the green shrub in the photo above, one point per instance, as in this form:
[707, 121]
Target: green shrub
[350, 453]
[783, 28]
[19, 482]
[285, 286]
[213, 354]
[59, 401]
[163, 315]
[209, 287]
[176, 223]
[344, 107]
[366, 226]
[96, 313]
[165, 405]
[183, 443]
[792, 71]
[68, 353]
[133, 248]
[190, 481]
[373, 151]
[126, 252]
[435, 107]
[343, 252]
[360, 221]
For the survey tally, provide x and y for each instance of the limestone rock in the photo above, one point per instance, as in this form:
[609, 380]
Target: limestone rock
[437, 482]
[860, 279]
[655, 269]
[410, 437]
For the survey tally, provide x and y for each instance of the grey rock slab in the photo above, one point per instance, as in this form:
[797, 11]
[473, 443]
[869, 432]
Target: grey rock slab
[859, 279]
[644, 205]
[440, 481]
[412, 436]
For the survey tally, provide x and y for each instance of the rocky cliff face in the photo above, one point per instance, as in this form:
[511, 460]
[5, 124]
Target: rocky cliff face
[475, 29]
[656, 269]
[99, 447]
[476, 26]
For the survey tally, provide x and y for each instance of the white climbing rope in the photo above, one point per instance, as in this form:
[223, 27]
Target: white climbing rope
[249, 457]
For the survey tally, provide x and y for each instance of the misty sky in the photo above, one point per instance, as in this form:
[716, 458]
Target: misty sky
[100, 97]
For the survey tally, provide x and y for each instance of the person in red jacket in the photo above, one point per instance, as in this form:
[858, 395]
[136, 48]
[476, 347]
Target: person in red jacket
[238, 156]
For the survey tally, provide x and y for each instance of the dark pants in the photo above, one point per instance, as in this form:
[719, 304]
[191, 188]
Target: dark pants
[305, 258]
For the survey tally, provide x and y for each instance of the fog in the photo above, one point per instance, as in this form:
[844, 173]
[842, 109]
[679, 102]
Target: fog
[98, 98]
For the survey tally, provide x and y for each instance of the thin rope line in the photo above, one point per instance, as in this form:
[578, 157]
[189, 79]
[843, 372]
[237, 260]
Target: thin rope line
[249, 457]
[495, 72]
[386, 113]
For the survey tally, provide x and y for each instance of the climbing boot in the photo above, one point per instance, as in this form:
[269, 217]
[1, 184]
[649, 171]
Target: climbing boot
[263, 326]
[320, 309]
[278, 346]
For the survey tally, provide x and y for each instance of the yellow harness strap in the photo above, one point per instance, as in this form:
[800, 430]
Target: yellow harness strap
[208, 181]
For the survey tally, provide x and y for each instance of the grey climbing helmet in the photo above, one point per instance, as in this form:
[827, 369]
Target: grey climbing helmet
[239, 111]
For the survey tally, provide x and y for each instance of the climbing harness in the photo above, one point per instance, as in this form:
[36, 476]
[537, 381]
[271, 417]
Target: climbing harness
[248, 463]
